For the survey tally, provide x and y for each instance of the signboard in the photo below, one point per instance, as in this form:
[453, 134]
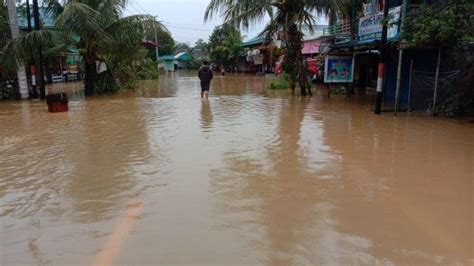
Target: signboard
[311, 47]
[370, 27]
[369, 8]
[394, 15]
[338, 69]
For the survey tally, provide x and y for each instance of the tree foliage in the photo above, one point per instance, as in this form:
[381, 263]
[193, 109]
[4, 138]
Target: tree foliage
[4, 26]
[286, 16]
[166, 43]
[201, 44]
[100, 32]
[182, 47]
[447, 23]
[225, 45]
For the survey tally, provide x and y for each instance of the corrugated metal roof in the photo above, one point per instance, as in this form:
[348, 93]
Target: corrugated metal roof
[166, 57]
[183, 56]
[307, 35]
[254, 41]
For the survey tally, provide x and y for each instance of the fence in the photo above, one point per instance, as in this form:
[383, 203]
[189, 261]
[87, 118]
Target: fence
[422, 91]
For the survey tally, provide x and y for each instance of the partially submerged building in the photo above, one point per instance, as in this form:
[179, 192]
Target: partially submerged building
[352, 56]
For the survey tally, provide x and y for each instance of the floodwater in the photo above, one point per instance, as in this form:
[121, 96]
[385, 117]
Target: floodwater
[159, 176]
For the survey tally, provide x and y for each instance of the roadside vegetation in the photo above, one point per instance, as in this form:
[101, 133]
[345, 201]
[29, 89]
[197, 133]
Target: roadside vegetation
[99, 32]
[447, 26]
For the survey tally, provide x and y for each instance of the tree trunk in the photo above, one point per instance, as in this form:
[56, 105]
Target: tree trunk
[292, 85]
[15, 32]
[295, 45]
[90, 77]
[304, 86]
[40, 51]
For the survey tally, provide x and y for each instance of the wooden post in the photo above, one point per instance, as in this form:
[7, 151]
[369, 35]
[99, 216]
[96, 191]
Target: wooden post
[436, 81]
[399, 80]
[409, 85]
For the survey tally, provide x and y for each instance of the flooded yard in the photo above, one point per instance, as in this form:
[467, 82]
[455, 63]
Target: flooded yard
[160, 176]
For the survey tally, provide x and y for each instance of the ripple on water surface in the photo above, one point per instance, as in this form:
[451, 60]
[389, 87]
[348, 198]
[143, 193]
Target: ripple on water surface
[247, 176]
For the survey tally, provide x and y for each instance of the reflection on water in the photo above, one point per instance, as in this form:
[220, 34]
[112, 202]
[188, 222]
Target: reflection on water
[248, 177]
[206, 115]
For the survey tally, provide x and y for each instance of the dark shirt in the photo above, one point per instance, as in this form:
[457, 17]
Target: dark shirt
[205, 74]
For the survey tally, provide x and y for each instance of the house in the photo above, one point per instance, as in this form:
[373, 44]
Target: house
[181, 60]
[63, 66]
[354, 48]
[260, 54]
[257, 55]
[168, 62]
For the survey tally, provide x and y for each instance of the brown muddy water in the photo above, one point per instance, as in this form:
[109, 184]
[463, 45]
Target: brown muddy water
[248, 177]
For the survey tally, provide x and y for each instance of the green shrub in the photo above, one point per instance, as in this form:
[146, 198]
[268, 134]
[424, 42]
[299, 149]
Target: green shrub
[455, 105]
[9, 92]
[280, 82]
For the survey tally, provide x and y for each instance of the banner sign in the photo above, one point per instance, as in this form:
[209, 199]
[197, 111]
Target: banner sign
[311, 47]
[370, 27]
[338, 69]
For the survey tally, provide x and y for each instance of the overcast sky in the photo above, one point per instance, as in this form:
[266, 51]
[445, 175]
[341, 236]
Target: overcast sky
[183, 18]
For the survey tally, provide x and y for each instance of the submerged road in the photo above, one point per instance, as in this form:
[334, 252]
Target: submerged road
[159, 176]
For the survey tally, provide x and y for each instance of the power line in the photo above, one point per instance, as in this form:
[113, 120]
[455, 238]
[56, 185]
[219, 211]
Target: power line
[185, 24]
[188, 29]
[141, 8]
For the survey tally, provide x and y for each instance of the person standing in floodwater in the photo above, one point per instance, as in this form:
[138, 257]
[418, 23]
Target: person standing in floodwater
[205, 75]
[222, 70]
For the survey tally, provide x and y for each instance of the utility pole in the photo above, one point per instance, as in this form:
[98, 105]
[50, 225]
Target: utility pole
[40, 52]
[381, 68]
[32, 67]
[156, 47]
[15, 32]
[28, 15]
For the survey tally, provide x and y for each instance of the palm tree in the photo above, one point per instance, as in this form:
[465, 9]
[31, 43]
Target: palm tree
[287, 16]
[102, 30]
[15, 32]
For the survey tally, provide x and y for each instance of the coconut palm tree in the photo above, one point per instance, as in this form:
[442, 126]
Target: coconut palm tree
[97, 29]
[101, 30]
[287, 16]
